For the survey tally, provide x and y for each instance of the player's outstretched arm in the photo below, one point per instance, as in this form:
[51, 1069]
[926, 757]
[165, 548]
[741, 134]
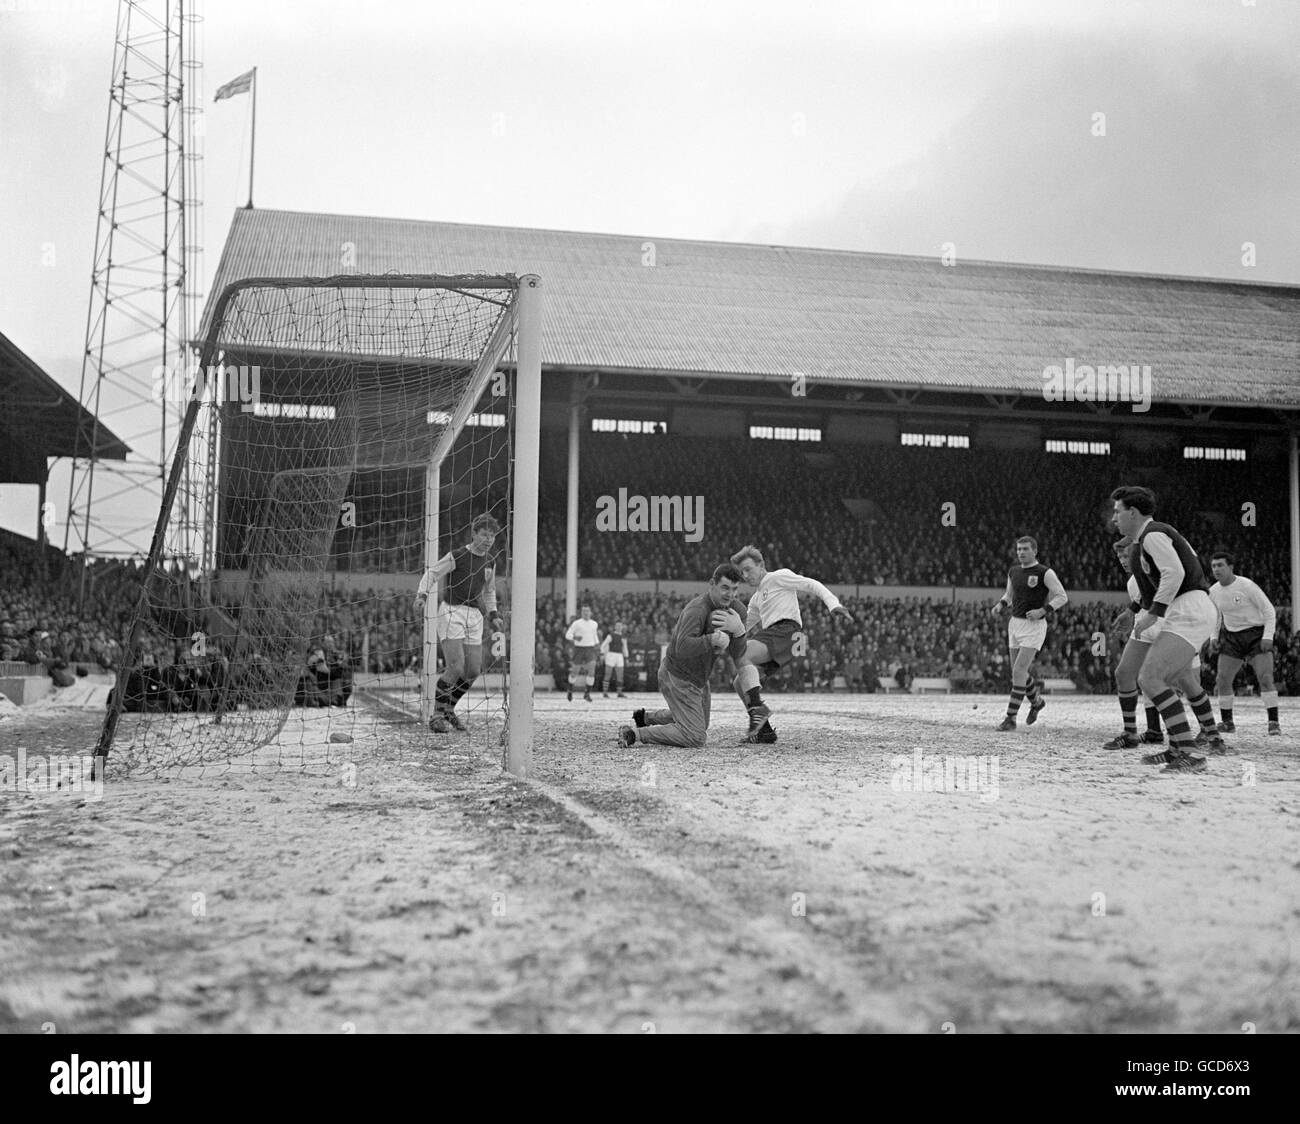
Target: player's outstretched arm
[429, 583]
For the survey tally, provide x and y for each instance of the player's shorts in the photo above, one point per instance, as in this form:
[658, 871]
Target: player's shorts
[460, 622]
[778, 638]
[613, 659]
[1193, 617]
[1243, 645]
[584, 660]
[1024, 633]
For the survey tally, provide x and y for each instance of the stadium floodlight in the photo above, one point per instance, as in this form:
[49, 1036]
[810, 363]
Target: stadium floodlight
[352, 427]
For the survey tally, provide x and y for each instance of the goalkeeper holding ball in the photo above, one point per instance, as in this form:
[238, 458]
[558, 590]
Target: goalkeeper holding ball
[707, 627]
[469, 581]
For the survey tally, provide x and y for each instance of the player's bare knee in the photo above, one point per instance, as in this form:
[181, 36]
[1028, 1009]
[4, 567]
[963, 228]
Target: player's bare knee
[1150, 685]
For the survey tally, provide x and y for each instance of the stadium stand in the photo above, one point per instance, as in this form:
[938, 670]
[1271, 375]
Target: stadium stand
[792, 505]
[892, 643]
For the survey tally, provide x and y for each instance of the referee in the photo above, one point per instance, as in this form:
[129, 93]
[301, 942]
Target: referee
[1247, 621]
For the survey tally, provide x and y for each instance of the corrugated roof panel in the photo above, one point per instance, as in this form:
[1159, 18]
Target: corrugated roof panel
[748, 309]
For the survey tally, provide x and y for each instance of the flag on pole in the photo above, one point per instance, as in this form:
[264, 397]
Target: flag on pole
[240, 85]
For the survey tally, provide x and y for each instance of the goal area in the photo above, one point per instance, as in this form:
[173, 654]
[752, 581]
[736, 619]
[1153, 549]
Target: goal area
[341, 436]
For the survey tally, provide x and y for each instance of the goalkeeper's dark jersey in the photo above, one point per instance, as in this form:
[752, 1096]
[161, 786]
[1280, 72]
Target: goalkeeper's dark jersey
[465, 584]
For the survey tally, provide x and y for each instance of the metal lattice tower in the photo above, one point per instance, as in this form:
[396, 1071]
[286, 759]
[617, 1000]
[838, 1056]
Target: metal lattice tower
[144, 296]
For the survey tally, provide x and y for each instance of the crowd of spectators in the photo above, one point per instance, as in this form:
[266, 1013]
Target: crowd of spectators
[884, 515]
[40, 621]
[864, 516]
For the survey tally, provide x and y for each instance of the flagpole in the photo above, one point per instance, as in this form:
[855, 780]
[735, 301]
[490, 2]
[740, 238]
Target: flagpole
[252, 148]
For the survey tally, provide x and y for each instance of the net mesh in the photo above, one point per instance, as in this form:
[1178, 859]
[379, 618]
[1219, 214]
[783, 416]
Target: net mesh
[296, 641]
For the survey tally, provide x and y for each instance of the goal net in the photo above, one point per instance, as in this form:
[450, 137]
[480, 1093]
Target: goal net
[347, 434]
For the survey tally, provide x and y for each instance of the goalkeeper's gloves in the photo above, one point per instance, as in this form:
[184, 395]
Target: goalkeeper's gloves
[497, 621]
[728, 621]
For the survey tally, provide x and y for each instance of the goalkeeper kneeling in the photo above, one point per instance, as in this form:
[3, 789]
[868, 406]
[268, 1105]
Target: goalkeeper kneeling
[468, 575]
[707, 627]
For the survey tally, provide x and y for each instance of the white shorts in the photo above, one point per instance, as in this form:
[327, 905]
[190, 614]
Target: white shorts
[1193, 617]
[1023, 633]
[613, 659]
[460, 622]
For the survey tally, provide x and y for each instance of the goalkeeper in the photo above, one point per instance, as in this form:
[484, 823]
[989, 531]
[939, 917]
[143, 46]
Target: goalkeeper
[469, 582]
[707, 627]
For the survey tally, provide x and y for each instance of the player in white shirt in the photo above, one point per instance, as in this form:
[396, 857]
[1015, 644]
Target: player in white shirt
[773, 625]
[1247, 621]
[584, 635]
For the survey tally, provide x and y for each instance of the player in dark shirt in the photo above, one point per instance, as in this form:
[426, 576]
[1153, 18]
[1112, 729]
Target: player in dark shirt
[1032, 589]
[469, 582]
[684, 672]
[1180, 619]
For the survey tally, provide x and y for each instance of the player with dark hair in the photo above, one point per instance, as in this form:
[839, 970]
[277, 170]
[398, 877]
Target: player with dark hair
[1032, 591]
[1129, 665]
[584, 635]
[1179, 620]
[614, 649]
[1247, 621]
[469, 582]
[772, 624]
[707, 627]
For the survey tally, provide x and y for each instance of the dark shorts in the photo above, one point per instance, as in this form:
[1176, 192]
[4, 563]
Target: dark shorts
[779, 638]
[1243, 645]
[584, 660]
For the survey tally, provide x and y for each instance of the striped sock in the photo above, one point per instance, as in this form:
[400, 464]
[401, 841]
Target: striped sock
[1226, 711]
[1203, 708]
[1128, 705]
[1171, 710]
[442, 696]
[458, 690]
[1032, 688]
[1017, 697]
[1153, 720]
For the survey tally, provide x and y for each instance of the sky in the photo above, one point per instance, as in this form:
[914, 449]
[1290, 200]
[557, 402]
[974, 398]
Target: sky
[898, 126]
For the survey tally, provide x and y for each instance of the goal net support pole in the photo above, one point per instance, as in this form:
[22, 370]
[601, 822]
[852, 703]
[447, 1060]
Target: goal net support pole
[429, 650]
[523, 590]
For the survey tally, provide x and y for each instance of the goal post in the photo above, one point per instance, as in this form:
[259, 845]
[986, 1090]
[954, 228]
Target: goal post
[523, 593]
[373, 417]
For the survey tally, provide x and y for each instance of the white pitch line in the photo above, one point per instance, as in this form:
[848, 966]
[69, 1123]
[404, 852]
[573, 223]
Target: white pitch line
[819, 963]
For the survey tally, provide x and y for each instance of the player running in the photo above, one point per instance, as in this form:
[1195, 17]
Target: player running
[1032, 590]
[469, 581]
[771, 625]
[1130, 663]
[1247, 621]
[614, 650]
[684, 672]
[584, 635]
[1180, 619]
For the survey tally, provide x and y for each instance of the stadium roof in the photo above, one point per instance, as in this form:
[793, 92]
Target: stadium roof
[634, 304]
[39, 419]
